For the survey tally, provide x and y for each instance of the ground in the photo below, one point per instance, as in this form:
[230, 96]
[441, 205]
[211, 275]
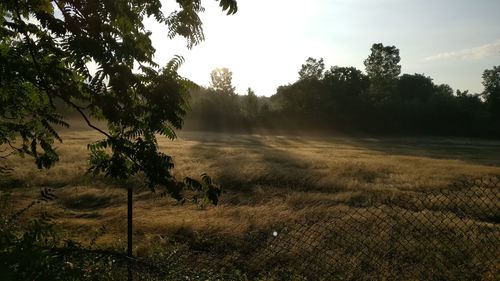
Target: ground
[267, 179]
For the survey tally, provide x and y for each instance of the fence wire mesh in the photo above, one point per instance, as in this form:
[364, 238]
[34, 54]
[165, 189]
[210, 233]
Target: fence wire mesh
[447, 234]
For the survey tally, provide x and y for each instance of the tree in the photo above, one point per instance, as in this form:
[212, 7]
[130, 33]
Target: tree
[312, 69]
[250, 105]
[415, 87]
[348, 80]
[383, 62]
[346, 88]
[382, 67]
[491, 93]
[45, 48]
[302, 98]
[221, 81]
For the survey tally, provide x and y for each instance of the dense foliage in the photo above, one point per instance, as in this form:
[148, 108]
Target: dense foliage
[347, 99]
[31, 249]
[95, 57]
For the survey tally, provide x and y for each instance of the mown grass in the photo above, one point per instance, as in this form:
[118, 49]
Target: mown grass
[273, 180]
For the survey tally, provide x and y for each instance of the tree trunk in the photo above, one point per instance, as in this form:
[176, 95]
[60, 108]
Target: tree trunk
[129, 232]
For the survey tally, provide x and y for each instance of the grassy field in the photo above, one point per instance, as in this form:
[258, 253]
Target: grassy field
[268, 180]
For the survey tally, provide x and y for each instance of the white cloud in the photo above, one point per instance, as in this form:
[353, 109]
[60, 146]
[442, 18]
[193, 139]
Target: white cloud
[475, 53]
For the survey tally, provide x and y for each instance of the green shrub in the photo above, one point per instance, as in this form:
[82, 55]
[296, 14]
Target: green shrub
[34, 251]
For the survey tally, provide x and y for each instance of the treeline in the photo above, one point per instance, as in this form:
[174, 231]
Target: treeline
[218, 107]
[379, 100]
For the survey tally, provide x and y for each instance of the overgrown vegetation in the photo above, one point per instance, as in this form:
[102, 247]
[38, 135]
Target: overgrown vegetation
[32, 249]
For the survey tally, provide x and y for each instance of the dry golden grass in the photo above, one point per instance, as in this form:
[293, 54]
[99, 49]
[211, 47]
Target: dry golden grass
[268, 179]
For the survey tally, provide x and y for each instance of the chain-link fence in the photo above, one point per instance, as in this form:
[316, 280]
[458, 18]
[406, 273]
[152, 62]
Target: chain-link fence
[448, 234]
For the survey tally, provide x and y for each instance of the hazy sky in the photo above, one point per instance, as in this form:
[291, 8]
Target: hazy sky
[265, 43]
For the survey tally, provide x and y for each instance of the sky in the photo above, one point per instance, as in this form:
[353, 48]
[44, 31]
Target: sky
[266, 41]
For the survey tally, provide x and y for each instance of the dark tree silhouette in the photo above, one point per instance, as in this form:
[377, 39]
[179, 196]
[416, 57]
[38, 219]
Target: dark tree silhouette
[415, 87]
[312, 69]
[344, 98]
[382, 67]
[250, 105]
[383, 62]
[491, 83]
[45, 48]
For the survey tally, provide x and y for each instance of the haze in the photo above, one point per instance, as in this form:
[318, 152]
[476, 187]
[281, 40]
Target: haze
[264, 45]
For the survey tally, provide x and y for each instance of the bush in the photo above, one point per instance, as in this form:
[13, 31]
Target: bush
[34, 251]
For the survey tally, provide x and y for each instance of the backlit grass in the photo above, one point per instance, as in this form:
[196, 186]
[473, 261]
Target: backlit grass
[268, 180]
